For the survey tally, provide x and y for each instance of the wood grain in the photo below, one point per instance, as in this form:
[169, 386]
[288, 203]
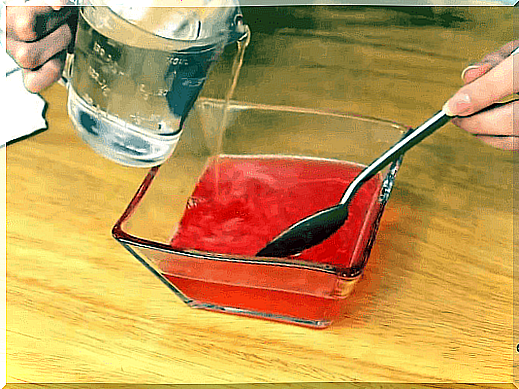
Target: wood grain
[435, 304]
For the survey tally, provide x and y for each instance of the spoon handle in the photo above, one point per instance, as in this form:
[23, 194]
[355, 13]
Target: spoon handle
[414, 137]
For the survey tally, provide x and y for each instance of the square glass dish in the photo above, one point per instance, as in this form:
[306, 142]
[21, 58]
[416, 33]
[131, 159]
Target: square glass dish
[197, 220]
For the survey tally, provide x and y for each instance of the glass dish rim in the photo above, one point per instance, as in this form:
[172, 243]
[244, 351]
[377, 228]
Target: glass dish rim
[126, 238]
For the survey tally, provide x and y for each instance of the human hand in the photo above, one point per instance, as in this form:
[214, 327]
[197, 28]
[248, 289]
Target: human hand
[488, 82]
[38, 35]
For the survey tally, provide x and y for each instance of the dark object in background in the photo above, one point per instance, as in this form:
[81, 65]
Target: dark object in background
[268, 20]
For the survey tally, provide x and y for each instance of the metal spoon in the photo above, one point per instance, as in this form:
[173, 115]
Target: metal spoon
[317, 227]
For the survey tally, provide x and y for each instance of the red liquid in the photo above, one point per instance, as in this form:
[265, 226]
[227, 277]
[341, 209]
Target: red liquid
[252, 200]
[240, 204]
[273, 302]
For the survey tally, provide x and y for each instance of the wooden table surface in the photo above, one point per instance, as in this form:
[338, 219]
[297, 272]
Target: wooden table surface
[435, 302]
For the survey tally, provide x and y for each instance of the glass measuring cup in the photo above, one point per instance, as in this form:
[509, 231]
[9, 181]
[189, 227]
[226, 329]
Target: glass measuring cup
[130, 90]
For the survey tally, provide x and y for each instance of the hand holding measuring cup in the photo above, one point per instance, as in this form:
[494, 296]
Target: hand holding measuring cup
[38, 35]
[494, 78]
[136, 71]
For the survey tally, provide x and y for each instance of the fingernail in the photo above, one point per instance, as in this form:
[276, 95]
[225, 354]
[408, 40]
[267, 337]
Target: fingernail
[28, 82]
[470, 73]
[468, 68]
[458, 105]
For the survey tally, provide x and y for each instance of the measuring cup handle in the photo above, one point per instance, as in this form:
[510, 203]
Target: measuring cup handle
[67, 71]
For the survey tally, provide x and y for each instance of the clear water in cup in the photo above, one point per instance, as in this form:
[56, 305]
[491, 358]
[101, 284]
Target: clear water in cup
[129, 102]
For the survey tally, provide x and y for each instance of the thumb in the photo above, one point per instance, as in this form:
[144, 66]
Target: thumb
[493, 86]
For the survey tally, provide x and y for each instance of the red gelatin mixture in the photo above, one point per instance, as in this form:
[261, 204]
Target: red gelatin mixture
[241, 203]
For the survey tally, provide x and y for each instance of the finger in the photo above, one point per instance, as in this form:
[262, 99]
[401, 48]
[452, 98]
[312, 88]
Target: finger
[500, 121]
[502, 53]
[29, 24]
[50, 72]
[30, 55]
[510, 143]
[485, 90]
[488, 62]
[473, 72]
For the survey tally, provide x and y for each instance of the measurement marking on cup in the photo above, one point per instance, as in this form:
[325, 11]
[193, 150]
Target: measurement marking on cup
[138, 118]
[100, 81]
[178, 61]
[110, 63]
[161, 92]
[142, 89]
[101, 51]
